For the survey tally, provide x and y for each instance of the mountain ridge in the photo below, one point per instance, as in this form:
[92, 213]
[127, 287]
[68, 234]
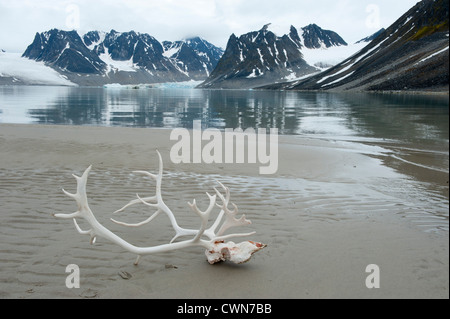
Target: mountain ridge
[411, 54]
[207, 55]
[314, 37]
[99, 57]
[261, 57]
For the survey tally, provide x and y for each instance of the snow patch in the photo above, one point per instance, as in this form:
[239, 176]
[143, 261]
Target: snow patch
[30, 71]
[432, 55]
[291, 77]
[253, 74]
[260, 56]
[114, 65]
[172, 51]
[91, 47]
[339, 80]
[241, 57]
[330, 56]
[351, 64]
[337, 73]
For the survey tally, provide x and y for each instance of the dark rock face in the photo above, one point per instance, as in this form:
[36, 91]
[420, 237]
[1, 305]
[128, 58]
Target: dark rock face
[194, 56]
[91, 37]
[257, 58]
[372, 37]
[261, 57]
[66, 50]
[86, 60]
[315, 37]
[412, 54]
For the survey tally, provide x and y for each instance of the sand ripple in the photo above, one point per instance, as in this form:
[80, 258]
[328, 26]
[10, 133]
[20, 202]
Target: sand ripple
[37, 247]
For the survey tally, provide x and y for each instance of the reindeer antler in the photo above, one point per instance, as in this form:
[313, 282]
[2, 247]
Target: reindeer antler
[216, 249]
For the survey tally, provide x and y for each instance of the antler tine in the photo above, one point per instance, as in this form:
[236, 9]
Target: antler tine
[160, 169]
[144, 200]
[159, 204]
[230, 220]
[222, 198]
[81, 181]
[225, 201]
[155, 177]
[139, 200]
[135, 201]
[148, 220]
[160, 163]
[69, 194]
[203, 215]
[216, 249]
[67, 216]
[80, 196]
[226, 189]
[85, 232]
[212, 202]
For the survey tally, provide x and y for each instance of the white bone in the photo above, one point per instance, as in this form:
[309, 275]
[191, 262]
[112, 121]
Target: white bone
[216, 249]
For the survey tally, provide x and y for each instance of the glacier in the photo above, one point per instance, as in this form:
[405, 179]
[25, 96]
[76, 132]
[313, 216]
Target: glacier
[26, 71]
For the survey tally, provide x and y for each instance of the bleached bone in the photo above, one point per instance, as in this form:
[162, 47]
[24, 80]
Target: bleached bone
[216, 249]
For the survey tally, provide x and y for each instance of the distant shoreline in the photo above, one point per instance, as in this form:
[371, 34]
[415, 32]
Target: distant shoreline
[154, 85]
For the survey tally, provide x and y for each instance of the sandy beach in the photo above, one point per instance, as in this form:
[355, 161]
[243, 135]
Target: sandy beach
[329, 212]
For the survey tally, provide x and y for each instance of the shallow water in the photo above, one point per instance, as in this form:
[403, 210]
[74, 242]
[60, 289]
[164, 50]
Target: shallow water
[33, 261]
[409, 133]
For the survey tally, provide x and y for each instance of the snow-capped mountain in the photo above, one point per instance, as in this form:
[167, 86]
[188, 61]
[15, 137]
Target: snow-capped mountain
[314, 37]
[268, 56]
[325, 48]
[412, 54]
[259, 57]
[65, 50]
[194, 56]
[97, 58]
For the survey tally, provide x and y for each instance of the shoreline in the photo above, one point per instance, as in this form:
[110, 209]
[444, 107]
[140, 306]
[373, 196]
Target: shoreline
[405, 92]
[140, 86]
[327, 213]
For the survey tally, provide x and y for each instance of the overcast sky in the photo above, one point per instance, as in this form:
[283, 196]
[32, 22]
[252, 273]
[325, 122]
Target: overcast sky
[214, 20]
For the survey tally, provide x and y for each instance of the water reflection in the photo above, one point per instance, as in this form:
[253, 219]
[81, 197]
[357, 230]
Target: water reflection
[339, 116]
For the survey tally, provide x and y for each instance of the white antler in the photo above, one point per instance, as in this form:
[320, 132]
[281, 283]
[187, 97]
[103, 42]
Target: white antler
[158, 204]
[216, 249]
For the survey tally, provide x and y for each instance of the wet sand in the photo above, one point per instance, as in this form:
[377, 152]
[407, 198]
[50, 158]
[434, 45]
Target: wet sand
[330, 211]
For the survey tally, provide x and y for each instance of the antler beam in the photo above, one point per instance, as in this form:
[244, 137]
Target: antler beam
[216, 249]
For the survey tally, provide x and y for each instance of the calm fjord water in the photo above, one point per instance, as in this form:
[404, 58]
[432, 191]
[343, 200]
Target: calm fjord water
[409, 117]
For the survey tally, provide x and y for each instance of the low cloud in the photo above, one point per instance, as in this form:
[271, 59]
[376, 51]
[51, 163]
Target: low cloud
[176, 19]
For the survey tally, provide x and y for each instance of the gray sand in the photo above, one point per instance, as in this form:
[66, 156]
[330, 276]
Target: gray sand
[328, 213]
